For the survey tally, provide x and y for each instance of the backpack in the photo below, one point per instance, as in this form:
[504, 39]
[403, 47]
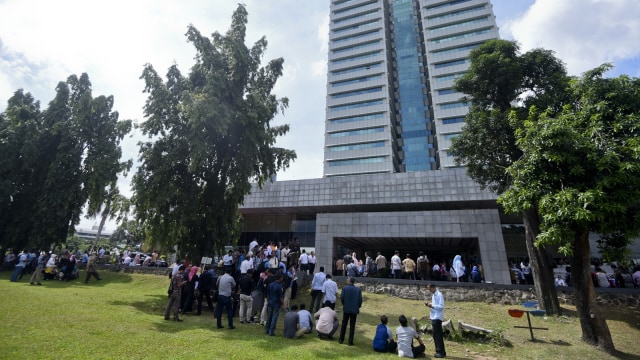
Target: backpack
[423, 264]
[206, 281]
[262, 266]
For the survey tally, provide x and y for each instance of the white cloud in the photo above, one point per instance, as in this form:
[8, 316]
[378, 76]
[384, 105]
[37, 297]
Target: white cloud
[583, 33]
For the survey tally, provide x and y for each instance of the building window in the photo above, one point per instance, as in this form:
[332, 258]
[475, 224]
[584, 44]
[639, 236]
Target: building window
[371, 160]
[450, 136]
[359, 68]
[356, 118]
[454, 105]
[355, 81]
[356, 105]
[356, 132]
[448, 77]
[357, 146]
[456, 49]
[351, 8]
[355, 47]
[363, 25]
[452, 3]
[451, 63]
[448, 91]
[353, 37]
[367, 14]
[460, 36]
[453, 120]
[456, 13]
[357, 92]
[355, 58]
[460, 24]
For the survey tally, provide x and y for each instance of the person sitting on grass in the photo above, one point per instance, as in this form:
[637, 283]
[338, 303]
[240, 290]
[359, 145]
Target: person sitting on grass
[292, 328]
[383, 340]
[405, 335]
[327, 323]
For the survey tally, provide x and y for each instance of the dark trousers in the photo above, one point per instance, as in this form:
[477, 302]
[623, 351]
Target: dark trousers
[417, 350]
[438, 337]
[316, 298]
[224, 301]
[207, 295]
[351, 318]
[89, 273]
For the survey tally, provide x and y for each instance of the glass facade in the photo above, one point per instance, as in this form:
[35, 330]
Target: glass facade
[412, 100]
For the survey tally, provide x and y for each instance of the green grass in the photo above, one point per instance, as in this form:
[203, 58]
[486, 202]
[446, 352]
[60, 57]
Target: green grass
[121, 317]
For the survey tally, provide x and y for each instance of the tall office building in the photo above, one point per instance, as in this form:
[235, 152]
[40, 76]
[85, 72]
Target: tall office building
[392, 64]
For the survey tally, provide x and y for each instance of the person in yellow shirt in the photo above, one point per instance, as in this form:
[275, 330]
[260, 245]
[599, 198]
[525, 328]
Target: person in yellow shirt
[409, 268]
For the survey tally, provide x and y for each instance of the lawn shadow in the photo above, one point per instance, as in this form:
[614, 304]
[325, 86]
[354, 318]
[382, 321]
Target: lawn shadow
[631, 317]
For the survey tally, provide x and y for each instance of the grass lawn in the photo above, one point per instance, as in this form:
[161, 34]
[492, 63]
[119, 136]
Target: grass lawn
[121, 317]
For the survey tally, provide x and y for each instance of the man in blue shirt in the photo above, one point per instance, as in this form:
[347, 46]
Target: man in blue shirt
[316, 289]
[351, 299]
[437, 316]
[275, 294]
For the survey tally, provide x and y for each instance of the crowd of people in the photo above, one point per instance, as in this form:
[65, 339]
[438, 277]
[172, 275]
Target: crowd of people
[42, 265]
[398, 267]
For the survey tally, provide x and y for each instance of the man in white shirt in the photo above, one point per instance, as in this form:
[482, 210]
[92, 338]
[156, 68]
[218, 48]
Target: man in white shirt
[330, 291]
[247, 263]
[304, 262]
[227, 260]
[437, 317]
[396, 265]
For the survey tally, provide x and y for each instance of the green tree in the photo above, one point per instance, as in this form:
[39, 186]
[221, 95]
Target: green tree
[582, 166]
[498, 81]
[57, 160]
[211, 136]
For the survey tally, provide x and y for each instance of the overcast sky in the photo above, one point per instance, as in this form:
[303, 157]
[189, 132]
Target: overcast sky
[42, 42]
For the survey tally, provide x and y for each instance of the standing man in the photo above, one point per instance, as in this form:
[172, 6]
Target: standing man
[91, 267]
[330, 291]
[312, 262]
[275, 295]
[396, 265]
[304, 262]
[381, 265]
[226, 283]
[227, 261]
[351, 299]
[246, 287]
[423, 266]
[316, 289]
[37, 274]
[437, 316]
[176, 292]
[409, 267]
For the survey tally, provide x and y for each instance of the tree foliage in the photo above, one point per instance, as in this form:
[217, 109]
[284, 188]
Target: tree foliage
[582, 166]
[210, 136]
[499, 81]
[55, 162]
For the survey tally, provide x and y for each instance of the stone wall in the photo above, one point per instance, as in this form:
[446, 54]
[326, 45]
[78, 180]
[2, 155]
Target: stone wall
[490, 293]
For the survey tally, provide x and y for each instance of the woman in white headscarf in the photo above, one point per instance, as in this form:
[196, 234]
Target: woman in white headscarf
[458, 266]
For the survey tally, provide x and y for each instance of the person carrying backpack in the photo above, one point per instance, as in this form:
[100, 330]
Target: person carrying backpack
[423, 266]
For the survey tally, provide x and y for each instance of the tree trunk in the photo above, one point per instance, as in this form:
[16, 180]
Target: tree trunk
[105, 215]
[541, 268]
[595, 330]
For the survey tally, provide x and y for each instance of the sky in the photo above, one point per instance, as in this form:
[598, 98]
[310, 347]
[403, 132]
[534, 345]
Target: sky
[42, 42]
